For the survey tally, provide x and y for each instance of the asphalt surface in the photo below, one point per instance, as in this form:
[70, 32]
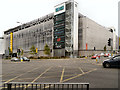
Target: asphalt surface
[62, 71]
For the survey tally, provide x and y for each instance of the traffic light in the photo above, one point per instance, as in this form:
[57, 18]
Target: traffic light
[109, 42]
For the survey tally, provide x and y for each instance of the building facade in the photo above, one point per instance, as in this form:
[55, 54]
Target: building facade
[2, 48]
[66, 32]
[66, 29]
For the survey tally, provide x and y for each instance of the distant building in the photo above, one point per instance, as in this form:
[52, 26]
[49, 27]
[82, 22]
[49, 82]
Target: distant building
[2, 45]
[119, 24]
[119, 43]
[67, 33]
[114, 42]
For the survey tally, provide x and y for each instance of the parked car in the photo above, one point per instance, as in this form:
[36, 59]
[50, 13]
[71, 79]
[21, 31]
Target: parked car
[15, 59]
[101, 54]
[106, 54]
[112, 62]
[25, 59]
[110, 56]
[95, 56]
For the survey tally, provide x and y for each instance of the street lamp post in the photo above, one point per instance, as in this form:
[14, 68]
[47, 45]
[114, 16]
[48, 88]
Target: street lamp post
[21, 24]
[21, 28]
[37, 44]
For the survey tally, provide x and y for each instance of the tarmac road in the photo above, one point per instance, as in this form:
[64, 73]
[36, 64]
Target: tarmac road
[61, 70]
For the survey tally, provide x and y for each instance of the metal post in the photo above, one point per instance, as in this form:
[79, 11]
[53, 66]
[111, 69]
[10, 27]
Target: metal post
[77, 86]
[62, 86]
[54, 86]
[49, 86]
[58, 86]
[22, 86]
[68, 87]
[81, 86]
[40, 86]
[87, 86]
[4, 87]
[72, 86]
[32, 86]
[36, 86]
[9, 86]
[44, 86]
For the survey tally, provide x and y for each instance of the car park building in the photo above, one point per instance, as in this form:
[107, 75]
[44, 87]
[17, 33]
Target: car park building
[66, 32]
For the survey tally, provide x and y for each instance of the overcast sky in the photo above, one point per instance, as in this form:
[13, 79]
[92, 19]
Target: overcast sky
[104, 12]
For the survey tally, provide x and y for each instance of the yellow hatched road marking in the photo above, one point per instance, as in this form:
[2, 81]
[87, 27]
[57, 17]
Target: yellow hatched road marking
[79, 75]
[59, 76]
[81, 70]
[61, 79]
[39, 76]
[20, 75]
[13, 71]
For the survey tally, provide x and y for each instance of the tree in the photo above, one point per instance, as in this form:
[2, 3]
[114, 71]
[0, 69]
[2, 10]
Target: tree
[22, 51]
[32, 50]
[46, 50]
[105, 48]
[10, 52]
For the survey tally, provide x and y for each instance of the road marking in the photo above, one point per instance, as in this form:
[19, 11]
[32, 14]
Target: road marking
[79, 75]
[59, 76]
[97, 64]
[8, 73]
[13, 71]
[20, 75]
[62, 75]
[24, 78]
[39, 76]
[81, 70]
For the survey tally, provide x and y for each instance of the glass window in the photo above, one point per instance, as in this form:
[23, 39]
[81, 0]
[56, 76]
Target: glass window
[116, 58]
[68, 6]
[22, 35]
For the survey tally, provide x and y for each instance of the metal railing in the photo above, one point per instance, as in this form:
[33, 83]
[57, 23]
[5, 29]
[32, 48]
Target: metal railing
[45, 86]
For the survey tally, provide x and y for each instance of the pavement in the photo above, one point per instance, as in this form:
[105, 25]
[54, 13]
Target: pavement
[61, 71]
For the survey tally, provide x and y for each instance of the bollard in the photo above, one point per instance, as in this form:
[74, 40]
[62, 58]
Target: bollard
[85, 57]
[96, 59]
[112, 54]
[21, 60]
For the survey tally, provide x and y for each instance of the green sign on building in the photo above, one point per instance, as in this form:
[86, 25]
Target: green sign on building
[59, 8]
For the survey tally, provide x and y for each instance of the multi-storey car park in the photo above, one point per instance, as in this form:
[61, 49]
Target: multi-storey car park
[66, 32]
